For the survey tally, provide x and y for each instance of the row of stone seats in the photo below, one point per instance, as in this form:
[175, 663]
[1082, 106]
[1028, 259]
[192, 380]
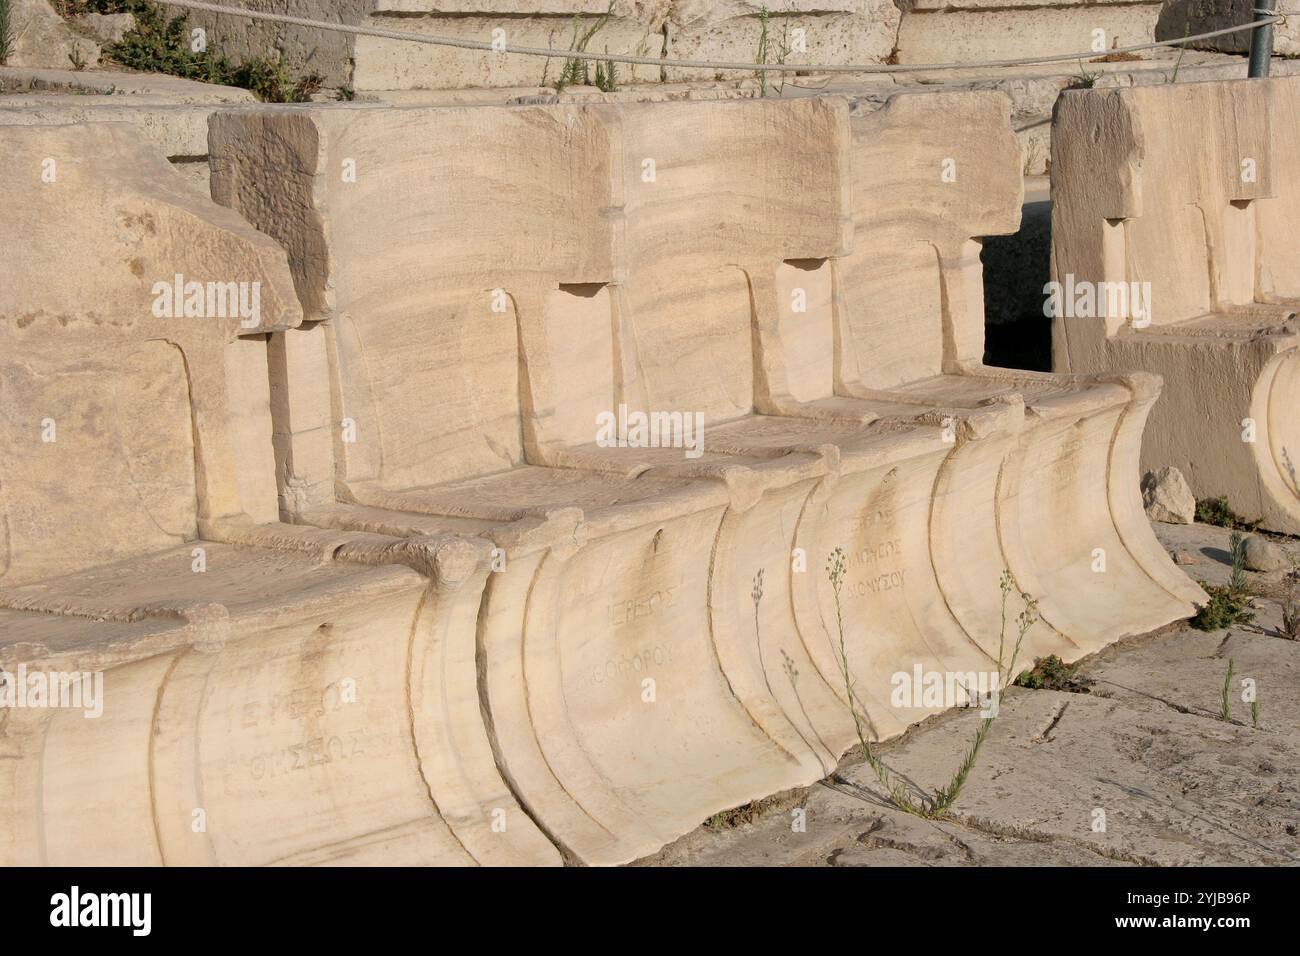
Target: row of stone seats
[440, 621]
[141, 537]
[1193, 190]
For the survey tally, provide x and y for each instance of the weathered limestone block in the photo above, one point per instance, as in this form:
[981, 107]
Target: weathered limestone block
[324, 51]
[144, 89]
[42, 38]
[943, 31]
[1205, 16]
[267, 693]
[109, 27]
[178, 131]
[844, 31]
[1065, 480]
[931, 457]
[63, 199]
[1175, 249]
[383, 64]
[377, 63]
[1167, 498]
[798, 31]
[616, 561]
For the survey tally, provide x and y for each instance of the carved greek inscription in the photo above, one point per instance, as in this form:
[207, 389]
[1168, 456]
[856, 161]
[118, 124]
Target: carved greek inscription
[304, 754]
[629, 666]
[889, 581]
[864, 520]
[642, 606]
[1067, 465]
[876, 552]
[297, 704]
[876, 563]
[296, 716]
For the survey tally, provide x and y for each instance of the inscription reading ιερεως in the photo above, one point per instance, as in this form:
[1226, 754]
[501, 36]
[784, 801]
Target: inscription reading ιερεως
[297, 704]
[630, 610]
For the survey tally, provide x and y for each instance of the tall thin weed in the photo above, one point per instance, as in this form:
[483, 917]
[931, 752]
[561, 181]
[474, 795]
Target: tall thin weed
[913, 800]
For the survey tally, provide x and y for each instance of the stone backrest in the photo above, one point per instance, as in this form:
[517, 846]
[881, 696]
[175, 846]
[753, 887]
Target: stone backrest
[497, 277]
[130, 422]
[1189, 187]
[929, 173]
[437, 241]
[730, 212]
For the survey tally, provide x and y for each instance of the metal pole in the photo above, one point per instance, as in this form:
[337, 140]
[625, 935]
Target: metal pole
[1261, 39]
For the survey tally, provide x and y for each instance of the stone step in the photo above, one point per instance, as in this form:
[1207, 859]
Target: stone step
[943, 31]
[173, 89]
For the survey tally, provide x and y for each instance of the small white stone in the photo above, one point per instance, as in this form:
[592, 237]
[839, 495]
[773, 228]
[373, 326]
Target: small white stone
[1166, 497]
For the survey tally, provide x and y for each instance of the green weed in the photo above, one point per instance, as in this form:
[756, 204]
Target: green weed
[1051, 673]
[1216, 511]
[936, 804]
[1225, 708]
[161, 44]
[1227, 605]
[6, 31]
[576, 71]
[1083, 80]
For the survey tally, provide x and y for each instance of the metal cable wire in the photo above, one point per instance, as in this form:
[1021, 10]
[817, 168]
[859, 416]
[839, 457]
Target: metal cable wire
[488, 47]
